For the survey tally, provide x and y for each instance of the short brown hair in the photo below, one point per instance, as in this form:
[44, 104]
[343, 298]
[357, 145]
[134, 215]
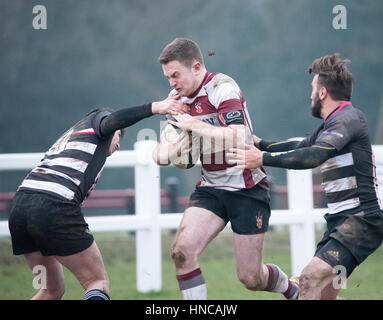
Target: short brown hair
[334, 75]
[183, 50]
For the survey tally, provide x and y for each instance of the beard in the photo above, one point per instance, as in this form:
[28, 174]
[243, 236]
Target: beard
[316, 107]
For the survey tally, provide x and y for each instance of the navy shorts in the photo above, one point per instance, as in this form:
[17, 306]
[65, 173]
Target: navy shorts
[248, 210]
[350, 238]
[53, 226]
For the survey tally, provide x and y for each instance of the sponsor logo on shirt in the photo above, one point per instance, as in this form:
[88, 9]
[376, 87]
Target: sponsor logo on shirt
[233, 114]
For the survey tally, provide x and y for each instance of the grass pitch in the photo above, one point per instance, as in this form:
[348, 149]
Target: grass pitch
[217, 263]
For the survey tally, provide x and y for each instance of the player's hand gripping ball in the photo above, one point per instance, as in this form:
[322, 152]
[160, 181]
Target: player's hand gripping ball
[188, 148]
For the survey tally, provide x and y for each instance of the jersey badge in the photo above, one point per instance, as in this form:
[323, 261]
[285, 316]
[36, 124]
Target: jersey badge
[198, 107]
[259, 220]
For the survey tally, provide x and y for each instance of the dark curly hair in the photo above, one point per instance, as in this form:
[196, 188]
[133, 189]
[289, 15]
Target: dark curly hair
[334, 75]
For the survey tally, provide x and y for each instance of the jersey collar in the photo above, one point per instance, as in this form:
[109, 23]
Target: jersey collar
[338, 108]
[199, 88]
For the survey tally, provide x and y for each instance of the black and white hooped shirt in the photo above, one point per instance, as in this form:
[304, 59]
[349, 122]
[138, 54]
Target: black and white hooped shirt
[349, 178]
[72, 166]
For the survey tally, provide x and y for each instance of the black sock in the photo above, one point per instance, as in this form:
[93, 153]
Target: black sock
[96, 294]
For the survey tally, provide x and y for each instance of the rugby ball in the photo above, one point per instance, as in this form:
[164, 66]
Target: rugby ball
[186, 160]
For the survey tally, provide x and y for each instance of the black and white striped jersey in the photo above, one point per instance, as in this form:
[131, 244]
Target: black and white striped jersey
[72, 166]
[349, 178]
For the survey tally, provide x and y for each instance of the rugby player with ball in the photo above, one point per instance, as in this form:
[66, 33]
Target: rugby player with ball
[218, 120]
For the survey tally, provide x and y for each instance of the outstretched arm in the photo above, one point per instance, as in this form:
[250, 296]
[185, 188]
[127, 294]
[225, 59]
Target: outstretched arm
[124, 118]
[275, 146]
[128, 116]
[302, 158]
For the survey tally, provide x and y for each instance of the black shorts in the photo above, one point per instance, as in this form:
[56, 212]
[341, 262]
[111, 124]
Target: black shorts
[350, 238]
[41, 222]
[248, 210]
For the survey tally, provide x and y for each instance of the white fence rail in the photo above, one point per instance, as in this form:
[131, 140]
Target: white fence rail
[148, 221]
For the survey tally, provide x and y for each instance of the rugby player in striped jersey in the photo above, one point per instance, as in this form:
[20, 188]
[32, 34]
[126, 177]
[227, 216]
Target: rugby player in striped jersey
[46, 222]
[341, 147]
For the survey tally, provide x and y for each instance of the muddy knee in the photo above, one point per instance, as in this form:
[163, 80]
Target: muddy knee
[183, 256]
[308, 279]
[178, 257]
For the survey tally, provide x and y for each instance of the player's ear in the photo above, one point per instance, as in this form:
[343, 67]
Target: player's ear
[322, 93]
[196, 66]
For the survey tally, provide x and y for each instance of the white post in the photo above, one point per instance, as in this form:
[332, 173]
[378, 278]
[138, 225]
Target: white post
[148, 205]
[302, 236]
[378, 155]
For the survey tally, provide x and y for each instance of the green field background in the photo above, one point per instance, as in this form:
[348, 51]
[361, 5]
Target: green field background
[217, 263]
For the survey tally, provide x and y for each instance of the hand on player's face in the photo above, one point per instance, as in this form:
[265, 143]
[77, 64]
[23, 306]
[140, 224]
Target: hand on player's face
[177, 106]
[250, 158]
[171, 105]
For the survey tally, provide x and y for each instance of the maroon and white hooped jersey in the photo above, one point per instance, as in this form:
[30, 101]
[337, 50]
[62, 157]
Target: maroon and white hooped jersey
[219, 102]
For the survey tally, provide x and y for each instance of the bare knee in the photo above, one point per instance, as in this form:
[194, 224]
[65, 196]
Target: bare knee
[312, 279]
[183, 255]
[308, 278]
[178, 257]
[251, 280]
[251, 283]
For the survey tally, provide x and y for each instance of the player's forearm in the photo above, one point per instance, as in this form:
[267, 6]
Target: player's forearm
[303, 158]
[274, 146]
[225, 137]
[124, 118]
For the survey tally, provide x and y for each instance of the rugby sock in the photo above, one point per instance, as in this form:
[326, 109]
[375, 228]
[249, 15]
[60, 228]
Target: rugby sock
[279, 282]
[96, 294]
[192, 285]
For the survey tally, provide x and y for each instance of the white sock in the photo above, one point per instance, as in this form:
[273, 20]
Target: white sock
[279, 282]
[192, 285]
[195, 293]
